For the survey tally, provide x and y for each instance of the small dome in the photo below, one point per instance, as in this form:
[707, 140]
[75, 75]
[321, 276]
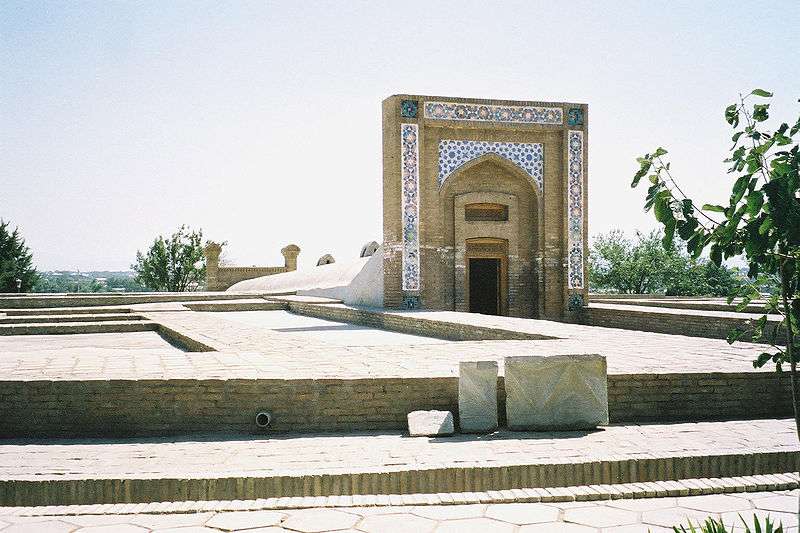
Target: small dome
[368, 249]
[326, 259]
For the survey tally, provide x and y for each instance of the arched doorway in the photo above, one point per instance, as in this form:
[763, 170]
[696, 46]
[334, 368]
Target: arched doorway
[492, 214]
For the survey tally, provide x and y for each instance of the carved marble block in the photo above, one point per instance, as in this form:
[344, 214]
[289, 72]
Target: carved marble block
[477, 396]
[430, 423]
[557, 392]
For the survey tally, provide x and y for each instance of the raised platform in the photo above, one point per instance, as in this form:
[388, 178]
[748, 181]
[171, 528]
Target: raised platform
[59, 472]
[317, 375]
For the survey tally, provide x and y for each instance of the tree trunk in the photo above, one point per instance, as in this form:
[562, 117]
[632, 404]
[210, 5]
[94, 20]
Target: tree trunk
[795, 380]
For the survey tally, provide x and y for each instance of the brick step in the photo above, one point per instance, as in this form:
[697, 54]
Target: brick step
[63, 471]
[32, 300]
[40, 311]
[252, 305]
[618, 491]
[68, 317]
[64, 328]
[551, 482]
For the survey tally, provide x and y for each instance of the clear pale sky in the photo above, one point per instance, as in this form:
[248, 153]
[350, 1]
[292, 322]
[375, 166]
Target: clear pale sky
[259, 122]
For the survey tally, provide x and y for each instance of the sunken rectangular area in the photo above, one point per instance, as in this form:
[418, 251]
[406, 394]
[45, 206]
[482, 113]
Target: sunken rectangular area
[324, 330]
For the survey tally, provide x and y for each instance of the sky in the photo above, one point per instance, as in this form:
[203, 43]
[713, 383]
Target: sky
[259, 122]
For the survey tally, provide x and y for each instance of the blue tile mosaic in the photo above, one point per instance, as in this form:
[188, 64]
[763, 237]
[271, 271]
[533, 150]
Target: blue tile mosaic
[575, 116]
[493, 113]
[408, 108]
[575, 209]
[409, 162]
[455, 153]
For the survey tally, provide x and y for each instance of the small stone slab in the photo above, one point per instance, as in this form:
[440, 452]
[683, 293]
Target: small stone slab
[477, 396]
[556, 392]
[430, 423]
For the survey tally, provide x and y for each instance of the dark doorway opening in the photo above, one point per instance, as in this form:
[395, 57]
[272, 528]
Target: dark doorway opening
[484, 286]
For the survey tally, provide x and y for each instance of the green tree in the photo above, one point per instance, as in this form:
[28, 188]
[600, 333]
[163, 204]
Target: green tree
[634, 267]
[645, 266]
[172, 264]
[16, 261]
[760, 222]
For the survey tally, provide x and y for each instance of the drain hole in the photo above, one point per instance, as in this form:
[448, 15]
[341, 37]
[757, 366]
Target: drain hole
[263, 419]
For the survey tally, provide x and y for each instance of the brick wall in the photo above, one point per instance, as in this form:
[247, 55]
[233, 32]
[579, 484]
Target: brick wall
[169, 407]
[693, 325]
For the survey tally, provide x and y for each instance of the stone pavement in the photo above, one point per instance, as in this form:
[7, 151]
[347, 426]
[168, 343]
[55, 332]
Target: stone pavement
[656, 515]
[191, 457]
[250, 351]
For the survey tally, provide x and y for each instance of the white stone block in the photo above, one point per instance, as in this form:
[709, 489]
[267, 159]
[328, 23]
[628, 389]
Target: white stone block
[557, 392]
[430, 423]
[477, 396]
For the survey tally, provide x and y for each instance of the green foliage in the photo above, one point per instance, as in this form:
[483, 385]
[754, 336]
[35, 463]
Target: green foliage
[16, 261]
[172, 264]
[760, 222]
[712, 525]
[646, 266]
[101, 281]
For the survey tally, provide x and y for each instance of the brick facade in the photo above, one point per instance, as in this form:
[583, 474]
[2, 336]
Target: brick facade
[425, 191]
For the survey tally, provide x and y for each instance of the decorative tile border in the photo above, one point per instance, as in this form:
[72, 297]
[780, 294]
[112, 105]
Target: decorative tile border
[409, 168]
[528, 156]
[493, 113]
[575, 209]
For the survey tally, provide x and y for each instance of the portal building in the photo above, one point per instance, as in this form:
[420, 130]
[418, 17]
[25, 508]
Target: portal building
[484, 205]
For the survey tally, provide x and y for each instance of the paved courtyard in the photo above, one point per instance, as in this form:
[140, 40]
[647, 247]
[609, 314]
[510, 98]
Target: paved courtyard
[656, 515]
[276, 344]
[189, 457]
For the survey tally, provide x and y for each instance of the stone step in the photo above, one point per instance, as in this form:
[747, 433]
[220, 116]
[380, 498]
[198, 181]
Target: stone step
[63, 328]
[58, 472]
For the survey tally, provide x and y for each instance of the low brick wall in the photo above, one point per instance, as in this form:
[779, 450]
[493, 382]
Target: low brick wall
[657, 321]
[171, 407]
[406, 323]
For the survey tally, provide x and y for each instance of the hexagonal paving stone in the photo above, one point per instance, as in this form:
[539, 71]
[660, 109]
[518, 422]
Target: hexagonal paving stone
[231, 521]
[396, 523]
[600, 516]
[642, 504]
[714, 503]
[317, 520]
[196, 529]
[474, 525]
[101, 519]
[787, 519]
[114, 528]
[557, 527]
[522, 513]
[449, 512]
[675, 516]
[787, 504]
[637, 528]
[163, 521]
[43, 526]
